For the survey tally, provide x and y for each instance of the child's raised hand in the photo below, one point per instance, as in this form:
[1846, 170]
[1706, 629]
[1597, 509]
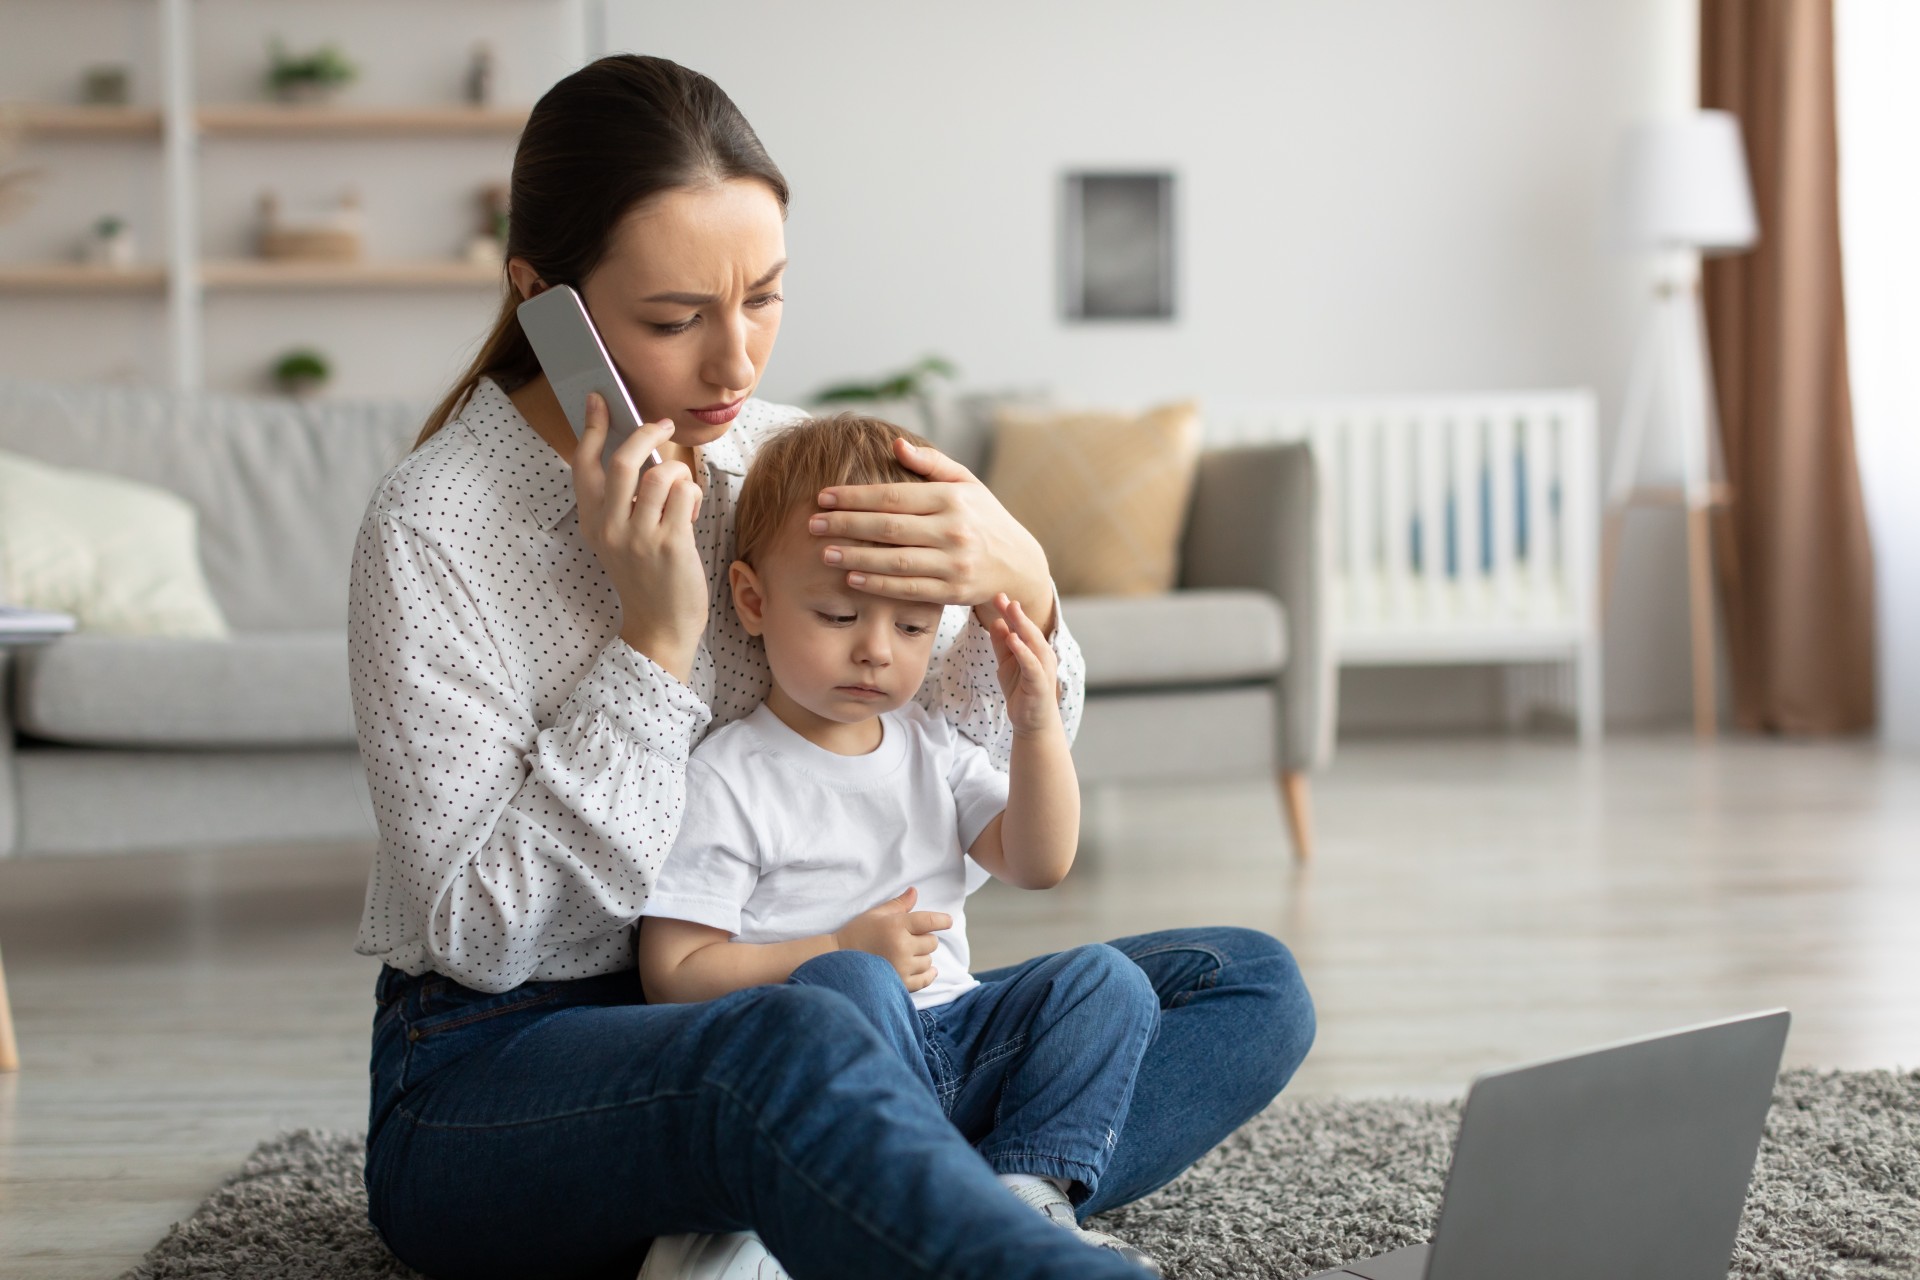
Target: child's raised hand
[898, 934]
[1029, 672]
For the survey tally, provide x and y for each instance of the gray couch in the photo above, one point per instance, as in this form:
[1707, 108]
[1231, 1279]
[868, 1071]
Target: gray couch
[111, 744]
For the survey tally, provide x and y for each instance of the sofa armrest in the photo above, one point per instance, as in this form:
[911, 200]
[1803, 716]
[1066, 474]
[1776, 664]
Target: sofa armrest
[1258, 520]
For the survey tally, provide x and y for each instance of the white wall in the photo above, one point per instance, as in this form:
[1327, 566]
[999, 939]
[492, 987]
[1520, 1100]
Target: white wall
[1879, 100]
[1374, 196]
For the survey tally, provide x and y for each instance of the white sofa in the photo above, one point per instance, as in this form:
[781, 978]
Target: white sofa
[110, 744]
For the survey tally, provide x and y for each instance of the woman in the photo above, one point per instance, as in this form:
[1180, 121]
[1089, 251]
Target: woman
[535, 650]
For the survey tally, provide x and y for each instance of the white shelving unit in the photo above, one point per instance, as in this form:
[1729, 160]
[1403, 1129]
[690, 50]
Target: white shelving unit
[184, 127]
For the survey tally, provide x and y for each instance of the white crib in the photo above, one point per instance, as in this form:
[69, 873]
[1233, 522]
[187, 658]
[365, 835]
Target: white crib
[1462, 530]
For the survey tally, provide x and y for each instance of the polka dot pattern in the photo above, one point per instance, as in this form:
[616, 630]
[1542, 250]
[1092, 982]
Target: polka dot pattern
[528, 767]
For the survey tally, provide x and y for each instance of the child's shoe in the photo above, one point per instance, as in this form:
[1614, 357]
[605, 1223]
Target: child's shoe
[1052, 1204]
[737, 1255]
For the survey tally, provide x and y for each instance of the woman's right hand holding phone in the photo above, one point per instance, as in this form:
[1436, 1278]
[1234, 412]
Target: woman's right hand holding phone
[640, 526]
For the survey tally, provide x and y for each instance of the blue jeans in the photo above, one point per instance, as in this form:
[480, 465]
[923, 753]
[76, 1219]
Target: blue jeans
[1035, 1068]
[555, 1129]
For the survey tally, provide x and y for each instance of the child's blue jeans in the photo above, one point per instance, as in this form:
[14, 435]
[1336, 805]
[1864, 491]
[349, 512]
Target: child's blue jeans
[1035, 1067]
[555, 1129]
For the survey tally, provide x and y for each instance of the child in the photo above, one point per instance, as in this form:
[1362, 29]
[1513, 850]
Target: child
[843, 817]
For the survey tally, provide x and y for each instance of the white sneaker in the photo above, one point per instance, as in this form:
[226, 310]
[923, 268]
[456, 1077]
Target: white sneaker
[1052, 1204]
[736, 1256]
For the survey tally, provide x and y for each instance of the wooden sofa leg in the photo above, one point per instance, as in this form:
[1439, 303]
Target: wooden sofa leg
[9, 1052]
[1299, 805]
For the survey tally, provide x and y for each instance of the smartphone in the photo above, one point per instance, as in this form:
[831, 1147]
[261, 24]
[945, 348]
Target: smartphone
[576, 362]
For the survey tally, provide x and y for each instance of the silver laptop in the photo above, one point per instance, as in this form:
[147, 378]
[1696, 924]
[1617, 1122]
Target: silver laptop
[1629, 1160]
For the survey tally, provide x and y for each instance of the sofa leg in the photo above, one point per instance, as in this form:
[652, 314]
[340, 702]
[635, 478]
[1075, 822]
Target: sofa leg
[1299, 806]
[9, 1052]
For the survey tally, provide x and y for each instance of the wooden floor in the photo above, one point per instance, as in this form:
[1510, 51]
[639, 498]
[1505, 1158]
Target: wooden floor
[1475, 903]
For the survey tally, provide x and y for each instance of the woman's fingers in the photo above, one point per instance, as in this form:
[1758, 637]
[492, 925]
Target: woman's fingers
[648, 502]
[901, 562]
[908, 498]
[627, 466]
[929, 462]
[930, 590]
[894, 528]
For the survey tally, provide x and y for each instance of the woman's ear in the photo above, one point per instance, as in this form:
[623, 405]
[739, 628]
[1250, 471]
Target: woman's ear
[526, 281]
[748, 600]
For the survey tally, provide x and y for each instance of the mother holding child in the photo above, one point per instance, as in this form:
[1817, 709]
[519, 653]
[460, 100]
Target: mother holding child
[821, 666]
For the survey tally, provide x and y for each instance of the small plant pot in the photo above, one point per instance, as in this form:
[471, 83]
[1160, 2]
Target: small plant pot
[306, 92]
[304, 387]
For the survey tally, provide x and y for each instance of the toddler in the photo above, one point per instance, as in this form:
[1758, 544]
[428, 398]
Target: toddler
[831, 837]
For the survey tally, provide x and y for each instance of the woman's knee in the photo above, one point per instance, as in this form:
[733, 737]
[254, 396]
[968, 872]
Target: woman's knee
[859, 975]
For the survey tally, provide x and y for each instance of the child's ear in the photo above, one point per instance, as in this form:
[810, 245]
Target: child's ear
[748, 601]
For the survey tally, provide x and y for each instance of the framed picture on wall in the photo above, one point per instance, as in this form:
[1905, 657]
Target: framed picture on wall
[1116, 246]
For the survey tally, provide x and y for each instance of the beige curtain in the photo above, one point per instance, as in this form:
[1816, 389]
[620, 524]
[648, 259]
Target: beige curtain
[1796, 567]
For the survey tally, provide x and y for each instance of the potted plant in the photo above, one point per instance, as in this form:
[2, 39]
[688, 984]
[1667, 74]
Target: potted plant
[913, 385]
[111, 244]
[313, 77]
[302, 372]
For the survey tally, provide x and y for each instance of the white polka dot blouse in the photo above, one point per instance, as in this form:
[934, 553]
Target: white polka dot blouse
[527, 766]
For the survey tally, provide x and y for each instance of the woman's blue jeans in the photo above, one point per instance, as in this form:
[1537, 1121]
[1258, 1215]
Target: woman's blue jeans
[555, 1129]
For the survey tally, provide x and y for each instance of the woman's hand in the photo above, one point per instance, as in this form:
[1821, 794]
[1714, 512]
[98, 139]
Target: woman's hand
[950, 542]
[1029, 672]
[641, 528]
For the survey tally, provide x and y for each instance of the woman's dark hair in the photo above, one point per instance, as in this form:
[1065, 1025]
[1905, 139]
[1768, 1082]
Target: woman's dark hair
[611, 135]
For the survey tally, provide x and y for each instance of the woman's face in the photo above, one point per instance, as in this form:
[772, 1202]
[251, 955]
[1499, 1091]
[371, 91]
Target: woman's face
[688, 302]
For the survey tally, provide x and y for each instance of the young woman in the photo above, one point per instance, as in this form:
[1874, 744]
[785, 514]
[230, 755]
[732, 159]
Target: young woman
[537, 642]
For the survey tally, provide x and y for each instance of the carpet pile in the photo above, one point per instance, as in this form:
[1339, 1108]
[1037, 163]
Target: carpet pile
[1302, 1187]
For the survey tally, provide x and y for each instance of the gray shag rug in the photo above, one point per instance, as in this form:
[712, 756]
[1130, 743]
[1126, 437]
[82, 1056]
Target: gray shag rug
[1302, 1187]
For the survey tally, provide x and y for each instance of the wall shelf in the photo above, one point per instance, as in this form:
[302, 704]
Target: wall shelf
[210, 144]
[79, 277]
[52, 120]
[263, 274]
[266, 119]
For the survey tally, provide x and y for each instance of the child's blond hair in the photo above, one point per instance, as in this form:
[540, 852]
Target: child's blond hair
[797, 462]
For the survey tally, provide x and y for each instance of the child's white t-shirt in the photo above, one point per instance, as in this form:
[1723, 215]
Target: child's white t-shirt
[782, 839]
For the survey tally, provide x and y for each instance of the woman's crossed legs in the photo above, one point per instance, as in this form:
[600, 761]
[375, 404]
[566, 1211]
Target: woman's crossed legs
[526, 1135]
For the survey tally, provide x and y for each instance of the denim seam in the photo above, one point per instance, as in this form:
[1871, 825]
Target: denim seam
[414, 1033]
[422, 1122]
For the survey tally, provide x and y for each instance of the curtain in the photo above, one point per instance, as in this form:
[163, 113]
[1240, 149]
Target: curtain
[1796, 567]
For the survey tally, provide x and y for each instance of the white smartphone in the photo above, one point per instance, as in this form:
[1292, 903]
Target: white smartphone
[576, 362]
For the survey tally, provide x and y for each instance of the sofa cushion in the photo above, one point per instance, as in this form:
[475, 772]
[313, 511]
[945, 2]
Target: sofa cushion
[280, 485]
[120, 556]
[258, 689]
[1181, 638]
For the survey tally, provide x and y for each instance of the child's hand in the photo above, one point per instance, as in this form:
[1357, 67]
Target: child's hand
[1029, 672]
[898, 934]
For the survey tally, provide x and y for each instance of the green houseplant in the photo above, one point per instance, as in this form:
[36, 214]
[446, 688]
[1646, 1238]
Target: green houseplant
[312, 77]
[915, 383]
[302, 372]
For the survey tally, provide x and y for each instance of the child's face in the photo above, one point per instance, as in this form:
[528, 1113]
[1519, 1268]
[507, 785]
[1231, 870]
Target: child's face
[840, 653]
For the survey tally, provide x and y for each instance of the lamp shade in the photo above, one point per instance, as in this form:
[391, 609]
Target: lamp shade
[1682, 184]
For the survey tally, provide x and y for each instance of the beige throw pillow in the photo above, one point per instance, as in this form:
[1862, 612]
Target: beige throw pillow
[1106, 494]
[122, 557]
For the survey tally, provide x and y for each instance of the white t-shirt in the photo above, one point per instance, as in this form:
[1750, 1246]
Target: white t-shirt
[782, 839]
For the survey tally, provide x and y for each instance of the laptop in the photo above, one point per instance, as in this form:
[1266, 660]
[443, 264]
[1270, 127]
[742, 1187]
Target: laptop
[1628, 1160]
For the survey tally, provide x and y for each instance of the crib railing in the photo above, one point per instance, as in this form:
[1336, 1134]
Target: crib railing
[1462, 529]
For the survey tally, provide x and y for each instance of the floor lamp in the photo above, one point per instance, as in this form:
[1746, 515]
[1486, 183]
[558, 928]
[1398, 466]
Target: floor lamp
[1682, 192]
